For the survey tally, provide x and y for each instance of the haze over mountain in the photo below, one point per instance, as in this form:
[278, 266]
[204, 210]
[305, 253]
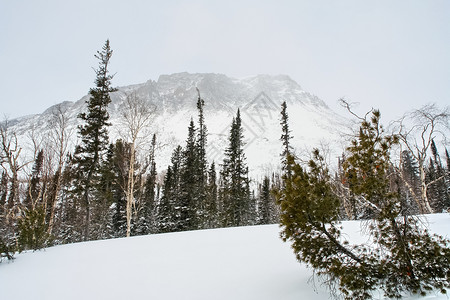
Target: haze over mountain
[258, 97]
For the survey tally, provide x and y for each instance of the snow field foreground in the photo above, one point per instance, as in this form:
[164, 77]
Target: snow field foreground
[242, 263]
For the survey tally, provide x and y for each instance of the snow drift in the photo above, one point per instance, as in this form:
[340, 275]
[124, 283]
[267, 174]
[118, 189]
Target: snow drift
[242, 263]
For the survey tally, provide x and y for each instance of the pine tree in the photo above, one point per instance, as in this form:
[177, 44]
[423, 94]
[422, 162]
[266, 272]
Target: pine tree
[94, 135]
[367, 166]
[397, 261]
[235, 191]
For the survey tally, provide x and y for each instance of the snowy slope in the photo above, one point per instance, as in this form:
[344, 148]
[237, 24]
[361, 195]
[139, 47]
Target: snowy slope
[246, 263]
[258, 97]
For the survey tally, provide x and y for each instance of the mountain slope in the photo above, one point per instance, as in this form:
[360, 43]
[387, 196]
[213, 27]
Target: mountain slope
[259, 98]
[245, 263]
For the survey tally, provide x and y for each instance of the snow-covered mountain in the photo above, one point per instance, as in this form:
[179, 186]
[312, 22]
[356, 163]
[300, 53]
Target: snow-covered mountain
[258, 97]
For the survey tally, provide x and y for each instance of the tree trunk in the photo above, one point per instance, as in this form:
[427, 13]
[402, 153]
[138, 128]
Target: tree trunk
[130, 188]
[426, 207]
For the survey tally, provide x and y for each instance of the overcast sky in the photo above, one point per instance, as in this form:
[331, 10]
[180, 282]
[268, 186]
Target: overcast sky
[393, 55]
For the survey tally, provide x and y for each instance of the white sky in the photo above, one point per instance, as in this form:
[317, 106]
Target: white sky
[389, 54]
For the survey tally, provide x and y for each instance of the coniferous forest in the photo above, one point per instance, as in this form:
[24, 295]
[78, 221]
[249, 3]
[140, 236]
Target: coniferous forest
[106, 189]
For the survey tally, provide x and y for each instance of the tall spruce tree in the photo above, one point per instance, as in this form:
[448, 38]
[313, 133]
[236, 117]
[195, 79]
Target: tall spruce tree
[211, 199]
[189, 200]
[264, 202]
[94, 135]
[168, 213]
[202, 166]
[114, 176]
[34, 191]
[285, 139]
[147, 220]
[438, 191]
[235, 190]
[410, 174]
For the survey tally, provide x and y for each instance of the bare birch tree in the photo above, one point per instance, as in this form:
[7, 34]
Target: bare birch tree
[11, 162]
[59, 134]
[136, 117]
[416, 131]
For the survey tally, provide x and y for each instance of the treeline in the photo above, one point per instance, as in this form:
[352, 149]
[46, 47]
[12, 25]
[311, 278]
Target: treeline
[105, 190]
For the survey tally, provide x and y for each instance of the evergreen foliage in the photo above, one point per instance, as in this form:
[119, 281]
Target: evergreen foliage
[34, 188]
[201, 169]
[5, 250]
[169, 206]
[147, 214]
[211, 205]
[105, 191]
[265, 208]
[94, 135]
[367, 165]
[403, 257]
[188, 201]
[285, 139]
[32, 227]
[436, 178]
[113, 181]
[234, 189]
[410, 171]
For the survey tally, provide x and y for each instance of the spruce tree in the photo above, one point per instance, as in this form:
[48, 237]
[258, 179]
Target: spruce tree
[114, 176]
[94, 135]
[447, 180]
[285, 139]
[34, 189]
[32, 227]
[410, 173]
[165, 221]
[189, 201]
[447, 156]
[438, 189]
[264, 202]
[235, 191]
[211, 199]
[147, 213]
[168, 215]
[202, 166]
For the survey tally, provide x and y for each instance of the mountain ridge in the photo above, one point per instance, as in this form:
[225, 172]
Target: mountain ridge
[175, 95]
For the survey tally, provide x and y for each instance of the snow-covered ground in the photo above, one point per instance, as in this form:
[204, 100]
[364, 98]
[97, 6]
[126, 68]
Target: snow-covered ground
[234, 264]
